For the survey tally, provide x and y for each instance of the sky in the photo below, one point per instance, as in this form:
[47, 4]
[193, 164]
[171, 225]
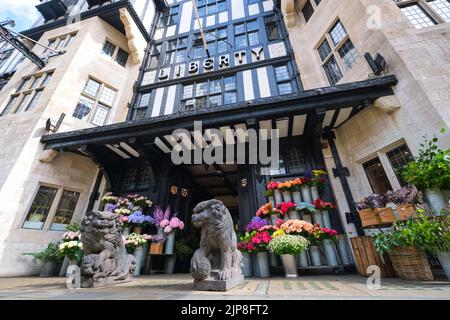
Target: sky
[23, 12]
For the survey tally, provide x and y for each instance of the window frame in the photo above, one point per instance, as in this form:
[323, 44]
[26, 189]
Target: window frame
[335, 51]
[426, 8]
[46, 226]
[96, 101]
[29, 86]
[115, 53]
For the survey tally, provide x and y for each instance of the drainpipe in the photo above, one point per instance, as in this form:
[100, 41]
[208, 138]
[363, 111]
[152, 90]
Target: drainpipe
[342, 172]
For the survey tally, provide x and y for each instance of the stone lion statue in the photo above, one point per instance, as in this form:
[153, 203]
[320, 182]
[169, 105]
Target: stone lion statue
[218, 243]
[105, 260]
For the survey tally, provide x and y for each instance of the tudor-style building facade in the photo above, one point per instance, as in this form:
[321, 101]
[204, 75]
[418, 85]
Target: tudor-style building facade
[296, 66]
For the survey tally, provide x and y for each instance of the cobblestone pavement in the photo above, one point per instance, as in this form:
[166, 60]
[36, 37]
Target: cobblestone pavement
[180, 287]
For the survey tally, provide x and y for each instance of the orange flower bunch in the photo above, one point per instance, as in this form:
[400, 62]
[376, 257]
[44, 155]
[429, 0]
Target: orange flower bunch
[267, 210]
[298, 227]
[290, 185]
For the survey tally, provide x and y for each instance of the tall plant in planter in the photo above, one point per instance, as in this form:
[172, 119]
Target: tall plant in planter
[405, 245]
[247, 249]
[50, 257]
[273, 186]
[323, 208]
[73, 250]
[430, 172]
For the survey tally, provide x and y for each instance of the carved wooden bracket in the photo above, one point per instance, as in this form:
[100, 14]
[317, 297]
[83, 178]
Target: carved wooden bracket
[289, 12]
[130, 31]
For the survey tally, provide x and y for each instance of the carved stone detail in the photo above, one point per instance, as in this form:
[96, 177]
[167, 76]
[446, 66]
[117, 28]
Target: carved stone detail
[387, 104]
[289, 12]
[130, 31]
[48, 156]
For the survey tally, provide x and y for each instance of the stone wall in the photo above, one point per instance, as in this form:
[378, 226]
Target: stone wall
[419, 58]
[21, 171]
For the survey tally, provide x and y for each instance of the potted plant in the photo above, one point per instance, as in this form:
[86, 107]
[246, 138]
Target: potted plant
[269, 195]
[288, 209]
[306, 209]
[317, 182]
[434, 233]
[138, 220]
[261, 239]
[404, 199]
[430, 172]
[50, 257]
[315, 238]
[181, 252]
[135, 245]
[324, 208]
[73, 250]
[295, 190]
[247, 249]
[329, 240]
[305, 187]
[404, 245]
[300, 228]
[273, 185]
[170, 227]
[266, 211]
[287, 247]
[285, 189]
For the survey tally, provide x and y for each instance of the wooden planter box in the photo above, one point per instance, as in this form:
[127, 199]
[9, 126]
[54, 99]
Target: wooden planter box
[368, 217]
[156, 248]
[366, 255]
[406, 211]
[385, 215]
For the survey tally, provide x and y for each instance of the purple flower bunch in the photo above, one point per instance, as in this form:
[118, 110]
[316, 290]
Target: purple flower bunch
[138, 218]
[110, 207]
[255, 224]
[159, 215]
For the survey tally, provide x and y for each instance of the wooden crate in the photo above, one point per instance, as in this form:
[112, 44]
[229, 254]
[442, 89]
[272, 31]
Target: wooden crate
[156, 248]
[368, 217]
[366, 255]
[385, 215]
[406, 211]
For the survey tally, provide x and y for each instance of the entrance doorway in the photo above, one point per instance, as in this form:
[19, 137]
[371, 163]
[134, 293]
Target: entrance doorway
[218, 181]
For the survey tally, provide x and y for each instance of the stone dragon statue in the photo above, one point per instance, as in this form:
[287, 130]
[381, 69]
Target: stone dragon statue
[105, 261]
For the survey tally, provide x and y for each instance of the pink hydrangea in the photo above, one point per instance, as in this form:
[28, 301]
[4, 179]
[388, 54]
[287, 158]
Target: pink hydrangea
[168, 229]
[164, 223]
[174, 222]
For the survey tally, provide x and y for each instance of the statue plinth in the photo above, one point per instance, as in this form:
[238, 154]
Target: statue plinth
[211, 284]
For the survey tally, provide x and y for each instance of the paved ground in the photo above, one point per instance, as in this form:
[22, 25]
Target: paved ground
[180, 287]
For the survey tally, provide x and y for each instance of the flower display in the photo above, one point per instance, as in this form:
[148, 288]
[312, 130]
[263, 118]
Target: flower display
[71, 249]
[329, 234]
[323, 205]
[138, 218]
[133, 241]
[288, 244]
[278, 233]
[255, 224]
[140, 201]
[109, 198]
[272, 185]
[71, 236]
[171, 225]
[260, 240]
[297, 227]
[159, 215]
[285, 207]
[285, 186]
[269, 228]
[296, 184]
[305, 208]
[267, 210]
